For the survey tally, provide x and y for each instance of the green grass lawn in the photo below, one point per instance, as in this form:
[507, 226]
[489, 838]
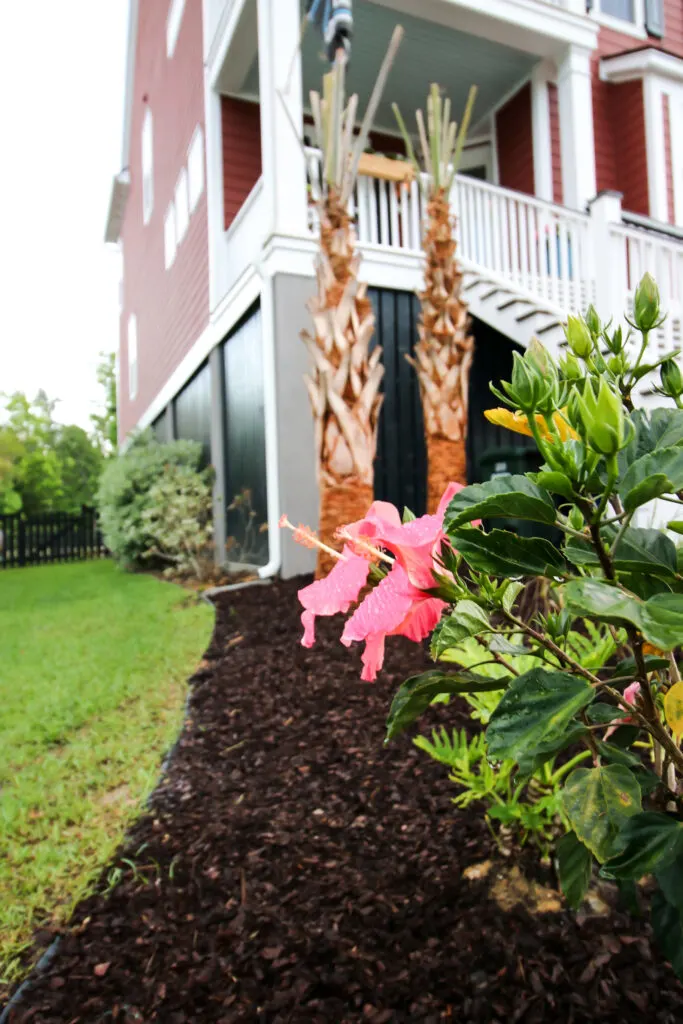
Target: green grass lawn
[93, 664]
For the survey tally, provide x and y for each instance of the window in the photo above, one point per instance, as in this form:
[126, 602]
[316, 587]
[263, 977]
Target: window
[182, 213]
[132, 356]
[170, 244]
[175, 16]
[195, 167]
[624, 10]
[147, 167]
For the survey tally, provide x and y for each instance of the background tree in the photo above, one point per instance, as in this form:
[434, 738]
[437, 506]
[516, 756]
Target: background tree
[443, 355]
[344, 383]
[105, 423]
[81, 460]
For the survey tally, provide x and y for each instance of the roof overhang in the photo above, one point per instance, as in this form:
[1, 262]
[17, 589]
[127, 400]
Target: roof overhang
[642, 63]
[117, 206]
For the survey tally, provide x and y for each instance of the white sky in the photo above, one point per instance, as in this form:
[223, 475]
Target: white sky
[62, 70]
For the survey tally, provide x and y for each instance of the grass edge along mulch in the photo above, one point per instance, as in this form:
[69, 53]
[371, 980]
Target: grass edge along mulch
[92, 688]
[292, 869]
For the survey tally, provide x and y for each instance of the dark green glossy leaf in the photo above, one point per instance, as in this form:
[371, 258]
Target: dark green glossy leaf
[649, 840]
[598, 802]
[662, 620]
[645, 585]
[604, 714]
[639, 551]
[565, 736]
[467, 619]
[601, 600]
[670, 879]
[511, 593]
[574, 868]
[501, 553]
[673, 434]
[501, 497]
[615, 754]
[659, 472]
[416, 694]
[667, 925]
[535, 708]
[627, 668]
[556, 483]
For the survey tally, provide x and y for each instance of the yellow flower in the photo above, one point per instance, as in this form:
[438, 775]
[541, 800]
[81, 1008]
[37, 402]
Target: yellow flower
[518, 422]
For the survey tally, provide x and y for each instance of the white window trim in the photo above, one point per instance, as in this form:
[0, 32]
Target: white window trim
[635, 28]
[195, 152]
[147, 154]
[174, 20]
[182, 203]
[170, 239]
[132, 350]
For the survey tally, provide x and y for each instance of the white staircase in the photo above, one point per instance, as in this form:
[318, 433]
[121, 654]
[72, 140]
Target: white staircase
[517, 316]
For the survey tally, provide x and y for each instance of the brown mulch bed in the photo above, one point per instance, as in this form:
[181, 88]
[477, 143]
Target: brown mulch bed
[294, 869]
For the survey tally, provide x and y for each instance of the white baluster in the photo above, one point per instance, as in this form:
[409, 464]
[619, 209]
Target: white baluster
[384, 236]
[415, 222]
[515, 268]
[363, 211]
[393, 214]
[405, 217]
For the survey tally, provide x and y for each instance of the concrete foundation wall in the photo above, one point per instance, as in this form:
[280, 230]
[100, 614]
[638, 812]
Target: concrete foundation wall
[296, 445]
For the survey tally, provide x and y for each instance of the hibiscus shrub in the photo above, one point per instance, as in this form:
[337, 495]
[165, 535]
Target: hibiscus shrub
[615, 722]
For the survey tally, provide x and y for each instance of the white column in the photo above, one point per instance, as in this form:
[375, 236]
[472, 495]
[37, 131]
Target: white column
[577, 138]
[281, 99]
[655, 148]
[540, 126]
[609, 254]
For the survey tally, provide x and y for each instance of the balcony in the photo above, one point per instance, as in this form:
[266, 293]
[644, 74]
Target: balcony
[529, 263]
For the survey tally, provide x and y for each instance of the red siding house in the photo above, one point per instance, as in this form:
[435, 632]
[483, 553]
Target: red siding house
[571, 186]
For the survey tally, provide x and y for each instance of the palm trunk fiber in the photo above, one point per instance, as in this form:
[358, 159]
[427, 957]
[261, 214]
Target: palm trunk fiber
[446, 463]
[340, 504]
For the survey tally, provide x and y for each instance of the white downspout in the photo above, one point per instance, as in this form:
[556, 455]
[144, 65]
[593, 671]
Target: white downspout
[270, 416]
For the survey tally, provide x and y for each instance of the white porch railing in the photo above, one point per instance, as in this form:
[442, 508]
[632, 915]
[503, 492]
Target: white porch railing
[542, 249]
[636, 250]
[562, 258]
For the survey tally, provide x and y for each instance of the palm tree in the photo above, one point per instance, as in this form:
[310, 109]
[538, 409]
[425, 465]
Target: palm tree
[344, 382]
[443, 354]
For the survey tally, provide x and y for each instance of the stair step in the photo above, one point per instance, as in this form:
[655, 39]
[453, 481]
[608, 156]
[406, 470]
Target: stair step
[548, 327]
[514, 300]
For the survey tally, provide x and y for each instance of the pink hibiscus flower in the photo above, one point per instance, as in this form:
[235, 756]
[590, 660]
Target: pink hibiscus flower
[630, 694]
[413, 544]
[335, 593]
[394, 607]
[398, 604]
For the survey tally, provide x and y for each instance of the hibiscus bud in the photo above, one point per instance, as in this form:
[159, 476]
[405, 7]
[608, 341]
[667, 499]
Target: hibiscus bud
[525, 387]
[570, 368]
[603, 418]
[593, 321]
[615, 343]
[576, 520]
[672, 379]
[578, 337]
[646, 304]
[617, 364]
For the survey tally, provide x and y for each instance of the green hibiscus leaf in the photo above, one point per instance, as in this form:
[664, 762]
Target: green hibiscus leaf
[662, 621]
[418, 692]
[574, 867]
[670, 879]
[667, 925]
[648, 841]
[650, 476]
[603, 601]
[598, 802]
[639, 551]
[535, 709]
[501, 553]
[467, 619]
[604, 714]
[556, 483]
[500, 497]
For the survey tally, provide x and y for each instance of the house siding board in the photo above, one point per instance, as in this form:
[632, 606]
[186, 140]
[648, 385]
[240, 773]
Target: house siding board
[515, 142]
[618, 112]
[555, 144]
[172, 306]
[668, 159]
[241, 127]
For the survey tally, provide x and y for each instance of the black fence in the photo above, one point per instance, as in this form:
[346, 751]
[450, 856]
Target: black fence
[51, 537]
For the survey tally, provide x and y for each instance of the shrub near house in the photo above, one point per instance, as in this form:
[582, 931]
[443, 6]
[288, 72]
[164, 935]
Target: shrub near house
[616, 582]
[154, 505]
